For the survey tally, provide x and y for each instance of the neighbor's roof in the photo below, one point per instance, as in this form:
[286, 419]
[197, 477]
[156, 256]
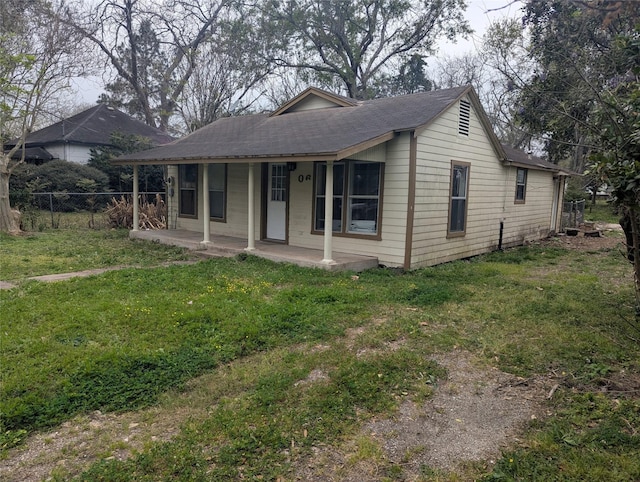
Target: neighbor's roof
[94, 126]
[523, 159]
[33, 154]
[328, 133]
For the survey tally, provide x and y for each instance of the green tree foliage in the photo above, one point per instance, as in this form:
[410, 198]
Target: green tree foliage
[617, 159]
[573, 44]
[410, 79]
[62, 176]
[121, 177]
[352, 44]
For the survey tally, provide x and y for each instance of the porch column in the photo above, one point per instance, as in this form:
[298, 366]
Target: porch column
[205, 205]
[328, 216]
[136, 213]
[251, 211]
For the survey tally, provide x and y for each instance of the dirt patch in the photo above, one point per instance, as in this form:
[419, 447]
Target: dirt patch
[611, 236]
[473, 414]
[76, 444]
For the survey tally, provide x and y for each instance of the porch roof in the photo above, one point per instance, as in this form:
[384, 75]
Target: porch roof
[318, 134]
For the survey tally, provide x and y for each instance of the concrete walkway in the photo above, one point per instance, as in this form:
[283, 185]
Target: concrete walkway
[50, 278]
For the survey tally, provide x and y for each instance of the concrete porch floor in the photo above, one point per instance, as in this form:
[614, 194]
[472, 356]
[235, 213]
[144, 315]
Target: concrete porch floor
[226, 246]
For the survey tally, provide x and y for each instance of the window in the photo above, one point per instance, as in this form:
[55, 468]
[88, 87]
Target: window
[458, 203]
[278, 182]
[338, 191]
[521, 185]
[464, 118]
[188, 188]
[356, 197]
[217, 191]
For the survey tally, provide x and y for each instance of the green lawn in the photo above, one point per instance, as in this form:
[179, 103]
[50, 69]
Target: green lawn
[67, 250]
[138, 337]
[601, 211]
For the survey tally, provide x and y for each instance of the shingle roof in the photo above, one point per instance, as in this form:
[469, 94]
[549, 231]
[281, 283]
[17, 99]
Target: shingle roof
[326, 132]
[36, 154]
[94, 126]
[520, 157]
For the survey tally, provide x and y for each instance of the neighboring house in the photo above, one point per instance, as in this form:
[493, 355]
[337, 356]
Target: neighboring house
[413, 180]
[72, 139]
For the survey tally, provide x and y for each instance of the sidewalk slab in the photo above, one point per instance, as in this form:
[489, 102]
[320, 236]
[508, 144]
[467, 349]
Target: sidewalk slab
[4, 285]
[50, 278]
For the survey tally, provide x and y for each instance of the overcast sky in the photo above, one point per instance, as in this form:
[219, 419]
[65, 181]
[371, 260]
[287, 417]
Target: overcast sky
[480, 14]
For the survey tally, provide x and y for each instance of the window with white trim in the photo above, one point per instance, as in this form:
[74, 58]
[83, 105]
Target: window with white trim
[217, 191]
[278, 182]
[357, 188]
[188, 189]
[458, 199]
[521, 185]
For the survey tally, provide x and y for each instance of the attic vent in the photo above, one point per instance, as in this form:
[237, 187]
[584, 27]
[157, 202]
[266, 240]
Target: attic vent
[465, 114]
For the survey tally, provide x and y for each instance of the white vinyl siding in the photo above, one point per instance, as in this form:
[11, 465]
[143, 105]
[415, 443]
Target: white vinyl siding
[70, 152]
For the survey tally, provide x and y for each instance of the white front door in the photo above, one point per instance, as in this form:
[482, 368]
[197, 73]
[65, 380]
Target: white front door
[277, 202]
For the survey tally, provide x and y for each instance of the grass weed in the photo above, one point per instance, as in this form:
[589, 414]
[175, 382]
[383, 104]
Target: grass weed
[250, 330]
[602, 211]
[64, 251]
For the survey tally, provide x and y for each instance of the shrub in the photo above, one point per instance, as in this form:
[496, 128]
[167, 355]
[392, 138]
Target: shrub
[59, 176]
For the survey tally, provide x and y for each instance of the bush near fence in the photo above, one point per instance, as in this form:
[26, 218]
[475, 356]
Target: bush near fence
[70, 210]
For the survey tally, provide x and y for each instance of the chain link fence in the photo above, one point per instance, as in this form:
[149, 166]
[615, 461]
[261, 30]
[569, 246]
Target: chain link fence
[71, 210]
[573, 214]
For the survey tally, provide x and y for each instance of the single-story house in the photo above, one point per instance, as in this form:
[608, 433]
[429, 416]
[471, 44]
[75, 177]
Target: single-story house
[410, 181]
[71, 139]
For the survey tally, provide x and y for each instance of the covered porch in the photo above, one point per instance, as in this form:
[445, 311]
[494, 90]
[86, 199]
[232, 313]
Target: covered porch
[227, 246]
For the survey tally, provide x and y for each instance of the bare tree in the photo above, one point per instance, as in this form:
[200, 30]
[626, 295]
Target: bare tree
[38, 57]
[497, 72]
[228, 75]
[152, 46]
[351, 41]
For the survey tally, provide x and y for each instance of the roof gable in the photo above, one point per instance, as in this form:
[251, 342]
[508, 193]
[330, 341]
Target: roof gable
[314, 98]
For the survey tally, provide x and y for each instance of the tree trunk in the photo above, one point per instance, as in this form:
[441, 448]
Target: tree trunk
[8, 222]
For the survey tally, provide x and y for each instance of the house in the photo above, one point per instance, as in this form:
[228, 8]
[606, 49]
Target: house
[409, 181]
[72, 139]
